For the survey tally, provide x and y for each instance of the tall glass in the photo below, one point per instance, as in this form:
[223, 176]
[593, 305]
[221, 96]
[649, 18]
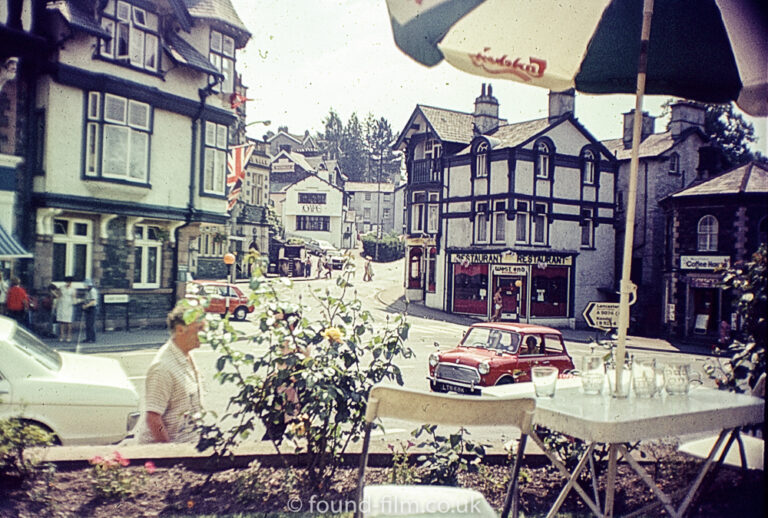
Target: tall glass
[592, 374]
[622, 369]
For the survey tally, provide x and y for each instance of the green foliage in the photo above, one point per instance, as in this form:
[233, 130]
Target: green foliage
[17, 435]
[402, 471]
[390, 247]
[112, 480]
[316, 372]
[447, 456]
[567, 448]
[748, 282]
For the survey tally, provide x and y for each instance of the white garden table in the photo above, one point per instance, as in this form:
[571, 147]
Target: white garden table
[616, 422]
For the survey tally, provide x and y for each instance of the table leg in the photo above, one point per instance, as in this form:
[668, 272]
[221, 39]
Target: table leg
[665, 500]
[610, 482]
[704, 469]
[572, 477]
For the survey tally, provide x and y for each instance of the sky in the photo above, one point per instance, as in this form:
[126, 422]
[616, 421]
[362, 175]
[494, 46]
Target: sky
[306, 57]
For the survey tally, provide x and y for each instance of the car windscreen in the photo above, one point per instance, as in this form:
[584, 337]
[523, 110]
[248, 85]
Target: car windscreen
[36, 349]
[489, 338]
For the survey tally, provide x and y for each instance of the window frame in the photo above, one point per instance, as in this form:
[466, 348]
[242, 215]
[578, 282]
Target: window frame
[145, 244]
[587, 224]
[540, 221]
[707, 237]
[312, 198]
[313, 223]
[418, 212]
[543, 162]
[130, 37]
[481, 161]
[589, 163]
[482, 223]
[71, 239]
[674, 164]
[522, 221]
[499, 222]
[216, 149]
[433, 213]
[218, 57]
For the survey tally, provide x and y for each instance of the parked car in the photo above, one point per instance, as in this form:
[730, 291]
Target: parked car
[336, 257]
[318, 246]
[79, 398]
[496, 353]
[222, 298]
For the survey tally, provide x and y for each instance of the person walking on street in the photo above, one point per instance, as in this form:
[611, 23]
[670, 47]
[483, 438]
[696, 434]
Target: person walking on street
[3, 293]
[65, 309]
[90, 306]
[173, 393]
[17, 302]
[368, 270]
[308, 267]
[497, 304]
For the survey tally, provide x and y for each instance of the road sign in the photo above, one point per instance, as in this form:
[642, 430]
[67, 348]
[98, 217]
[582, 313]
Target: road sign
[602, 315]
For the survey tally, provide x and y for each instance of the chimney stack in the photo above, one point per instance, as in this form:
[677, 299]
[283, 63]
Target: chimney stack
[561, 104]
[647, 127]
[486, 111]
[686, 115]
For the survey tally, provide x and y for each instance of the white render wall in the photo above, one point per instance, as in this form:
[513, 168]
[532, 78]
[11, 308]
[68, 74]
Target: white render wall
[333, 208]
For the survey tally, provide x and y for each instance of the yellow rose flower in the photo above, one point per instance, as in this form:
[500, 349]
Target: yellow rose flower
[333, 334]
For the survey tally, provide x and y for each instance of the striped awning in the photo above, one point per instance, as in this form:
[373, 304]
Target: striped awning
[10, 248]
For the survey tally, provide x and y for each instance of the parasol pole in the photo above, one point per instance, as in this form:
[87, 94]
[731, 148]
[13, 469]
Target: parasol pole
[626, 287]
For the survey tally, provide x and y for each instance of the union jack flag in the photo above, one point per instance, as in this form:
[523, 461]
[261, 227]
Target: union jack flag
[237, 161]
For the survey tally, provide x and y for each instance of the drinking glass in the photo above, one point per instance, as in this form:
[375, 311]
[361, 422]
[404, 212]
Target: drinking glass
[625, 365]
[592, 374]
[644, 377]
[544, 380]
[678, 378]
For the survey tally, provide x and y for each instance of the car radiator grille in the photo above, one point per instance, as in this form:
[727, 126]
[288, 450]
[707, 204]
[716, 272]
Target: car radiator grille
[450, 372]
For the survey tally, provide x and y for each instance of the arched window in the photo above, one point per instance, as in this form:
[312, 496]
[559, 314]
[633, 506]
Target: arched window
[588, 167]
[481, 160]
[543, 159]
[707, 233]
[414, 268]
[674, 163]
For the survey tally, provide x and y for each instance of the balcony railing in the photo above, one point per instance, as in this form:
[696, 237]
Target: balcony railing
[429, 170]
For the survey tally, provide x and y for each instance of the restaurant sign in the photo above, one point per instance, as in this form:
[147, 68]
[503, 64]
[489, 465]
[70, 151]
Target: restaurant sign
[704, 262]
[509, 269]
[512, 258]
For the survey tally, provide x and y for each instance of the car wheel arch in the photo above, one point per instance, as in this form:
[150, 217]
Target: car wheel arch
[29, 421]
[506, 379]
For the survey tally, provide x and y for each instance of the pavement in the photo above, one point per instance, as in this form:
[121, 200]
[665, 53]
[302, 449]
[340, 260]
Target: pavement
[392, 299]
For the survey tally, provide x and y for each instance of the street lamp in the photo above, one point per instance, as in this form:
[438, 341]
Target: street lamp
[229, 260]
[266, 123]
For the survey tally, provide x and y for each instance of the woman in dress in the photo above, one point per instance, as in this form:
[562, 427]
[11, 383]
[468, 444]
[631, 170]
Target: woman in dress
[65, 308]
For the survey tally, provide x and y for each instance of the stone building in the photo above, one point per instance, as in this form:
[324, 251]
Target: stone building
[374, 205]
[720, 220]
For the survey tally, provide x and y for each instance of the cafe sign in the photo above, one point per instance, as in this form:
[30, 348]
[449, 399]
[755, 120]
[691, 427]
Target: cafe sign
[704, 262]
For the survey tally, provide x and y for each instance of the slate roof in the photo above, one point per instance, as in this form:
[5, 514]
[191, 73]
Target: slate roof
[653, 145]
[220, 11]
[185, 54]
[512, 135]
[450, 126]
[78, 19]
[751, 178]
[278, 182]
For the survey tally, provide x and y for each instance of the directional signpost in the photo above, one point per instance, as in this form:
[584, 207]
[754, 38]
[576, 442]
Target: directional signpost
[602, 315]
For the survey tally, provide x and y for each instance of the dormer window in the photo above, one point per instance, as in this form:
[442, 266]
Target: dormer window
[588, 167]
[481, 160]
[134, 35]
[222, 56]
[674, 164]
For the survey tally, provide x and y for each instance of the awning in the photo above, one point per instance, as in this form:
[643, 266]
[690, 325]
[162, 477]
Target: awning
[10, 248]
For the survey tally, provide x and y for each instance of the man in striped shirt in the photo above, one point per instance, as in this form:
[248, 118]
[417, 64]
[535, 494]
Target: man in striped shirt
[173, 391]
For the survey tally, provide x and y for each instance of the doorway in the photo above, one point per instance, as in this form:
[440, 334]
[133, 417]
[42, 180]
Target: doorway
[513, 298]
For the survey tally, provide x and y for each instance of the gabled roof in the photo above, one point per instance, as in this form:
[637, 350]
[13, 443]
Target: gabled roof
[304, 177]
[750, 178]
[297, 158]
[652, 146]
[282, 132]
[448, 125]
[221, 13]
[185, 54]
[512, 135]
[78, 18]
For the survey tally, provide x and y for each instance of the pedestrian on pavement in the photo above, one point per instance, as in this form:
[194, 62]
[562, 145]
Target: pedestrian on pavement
[17, 302]
[65, 309]
[308, 267]
[368, 269]
[90, 307]
[497, 304]
[173, 394]
[3, 292]
[320, 266]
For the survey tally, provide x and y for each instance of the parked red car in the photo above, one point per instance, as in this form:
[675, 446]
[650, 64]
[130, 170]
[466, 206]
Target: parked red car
[496, 353]
[223, 298]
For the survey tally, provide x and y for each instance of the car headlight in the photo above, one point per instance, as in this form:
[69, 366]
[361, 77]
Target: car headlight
[484, 368]
[434, 359]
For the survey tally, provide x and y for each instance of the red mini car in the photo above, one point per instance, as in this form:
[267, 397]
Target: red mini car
[496, 353]
[223, 298]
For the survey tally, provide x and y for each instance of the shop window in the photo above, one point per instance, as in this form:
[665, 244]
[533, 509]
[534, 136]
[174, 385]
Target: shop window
[540, 224]
[433, 213]
[587, 228]
[588, 167]
[72, 251]
[707, 234]
[521, 217]
[414, 268]
[481, 223]
[549, 292]
[313, 223]
[481, 160]
[431, 269]
[470, 289]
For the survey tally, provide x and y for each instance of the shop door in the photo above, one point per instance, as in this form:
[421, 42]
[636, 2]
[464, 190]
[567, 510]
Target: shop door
[512, 296]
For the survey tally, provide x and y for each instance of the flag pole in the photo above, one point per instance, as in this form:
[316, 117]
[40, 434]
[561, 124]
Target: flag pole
[626, 288]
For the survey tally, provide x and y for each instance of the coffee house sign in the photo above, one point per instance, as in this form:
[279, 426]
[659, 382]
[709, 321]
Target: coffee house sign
[704, 262]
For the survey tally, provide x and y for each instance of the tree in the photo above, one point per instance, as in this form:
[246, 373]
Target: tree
[378, 140]
[353, 159]
[334, 131]
[728, 129]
